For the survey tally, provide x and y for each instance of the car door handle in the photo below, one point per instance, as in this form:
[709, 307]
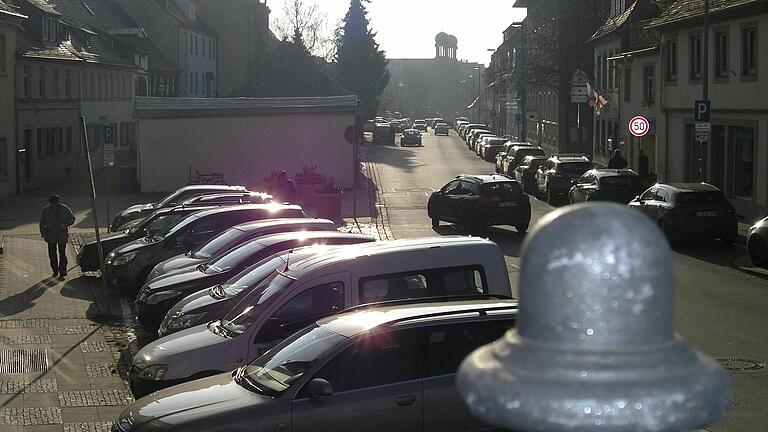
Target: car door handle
[405, 400]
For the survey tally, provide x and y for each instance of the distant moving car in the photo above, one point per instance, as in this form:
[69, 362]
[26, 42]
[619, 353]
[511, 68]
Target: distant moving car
[420, 125]
[689, 210]
[383, 134]
[615, 185]
[139, 211]
[525, 173]
[389, 370]
[157, 297]
[441, 129]
[128, 265]
[435, 121]
[410, 137]
[478, 201]
[555, 176]
[757, 243]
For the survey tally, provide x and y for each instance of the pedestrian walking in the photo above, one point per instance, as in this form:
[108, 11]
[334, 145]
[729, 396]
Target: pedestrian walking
[642, 165]
[285, 189]
[55, 220]
[617, 161]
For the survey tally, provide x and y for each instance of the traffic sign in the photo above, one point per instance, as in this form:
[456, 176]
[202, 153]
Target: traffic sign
[108, 151]
[639, 126]
[702, 109]
[704, 127]
[579, 92]
[702, 136]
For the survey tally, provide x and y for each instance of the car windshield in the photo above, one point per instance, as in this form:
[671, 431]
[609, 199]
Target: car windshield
[234, 257]
[700, 198]
[535, 163]
[158, 224]
[169, 199]
[500, 189]
[274, 372]
[574, 168]
[242, 316]
[218, 244]
[621, 181]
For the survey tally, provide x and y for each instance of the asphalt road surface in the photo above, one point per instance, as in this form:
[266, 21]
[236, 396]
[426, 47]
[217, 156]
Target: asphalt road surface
[719, 310]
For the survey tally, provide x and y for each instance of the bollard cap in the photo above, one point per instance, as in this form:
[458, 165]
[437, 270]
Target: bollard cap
[595, 348]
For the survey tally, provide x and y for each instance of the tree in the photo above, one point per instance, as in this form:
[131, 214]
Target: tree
[303, 23]
[362, 66]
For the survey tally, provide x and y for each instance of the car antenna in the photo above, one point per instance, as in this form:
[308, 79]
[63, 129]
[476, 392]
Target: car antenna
[287, 260]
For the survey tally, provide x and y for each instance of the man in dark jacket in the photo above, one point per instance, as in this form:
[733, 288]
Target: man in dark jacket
[617, 161]
[642, 165]
[55, 221]
[285, 189]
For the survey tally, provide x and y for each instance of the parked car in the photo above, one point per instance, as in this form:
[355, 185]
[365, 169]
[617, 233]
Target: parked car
[689, 210]
[556, 176]
[458, 121]
[156, 298]
[234, 237]
[477, 140]
[392, 370]
[478, 201]
[308, 290]
[525, 173]
[501, 155]
[128, 266]
[229, 198]
[88, 255]
[490, 146]
[139, 211]
[383, 134]
[473, 136]
[517, 153]
[441, 129]
[420, 125]
[471, 126]
[410, 137]
[211, 304]
[757, 243]
[616, 185]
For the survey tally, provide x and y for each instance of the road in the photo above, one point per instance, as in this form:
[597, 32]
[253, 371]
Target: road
[719, 310]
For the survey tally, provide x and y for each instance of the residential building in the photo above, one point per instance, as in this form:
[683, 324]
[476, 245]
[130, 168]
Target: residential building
[626, 71]
[185, 45]
[554, 32]
[504, 74]
[10, 20]
[735, 158]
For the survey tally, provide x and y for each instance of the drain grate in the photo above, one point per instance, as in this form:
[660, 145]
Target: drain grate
[18, 361]
[741, 365]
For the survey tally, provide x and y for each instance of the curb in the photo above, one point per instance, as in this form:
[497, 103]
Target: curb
[2, 244]
[740, 264]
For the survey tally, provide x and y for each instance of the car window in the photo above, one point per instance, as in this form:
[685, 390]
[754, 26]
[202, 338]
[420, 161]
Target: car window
[235, 257]
[585, 179]
[447, 345]
[463, 281]
[501, 189]
[203, 226]
[648, 195]
[700, 198]
[377, 359]
[308, 306]
[394, 287]
[468, 188]
[630, 181]
[450, 187]
[662, 195]
[574, 168]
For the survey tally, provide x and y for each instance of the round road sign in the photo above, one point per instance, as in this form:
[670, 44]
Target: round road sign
[639, 126]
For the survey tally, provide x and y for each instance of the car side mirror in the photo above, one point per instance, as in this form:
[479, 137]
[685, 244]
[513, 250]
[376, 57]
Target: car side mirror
[319, 387]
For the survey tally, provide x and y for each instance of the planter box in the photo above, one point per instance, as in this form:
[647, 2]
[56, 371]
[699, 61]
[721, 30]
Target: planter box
[328, 205]
[305, 192]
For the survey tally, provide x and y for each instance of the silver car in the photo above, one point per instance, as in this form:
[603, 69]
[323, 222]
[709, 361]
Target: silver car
[388, 368]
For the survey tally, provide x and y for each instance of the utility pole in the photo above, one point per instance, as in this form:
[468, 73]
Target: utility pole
[705, 78]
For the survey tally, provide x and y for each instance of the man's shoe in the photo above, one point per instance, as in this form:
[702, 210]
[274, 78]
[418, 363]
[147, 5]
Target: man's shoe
[55, 273]
[61, 277]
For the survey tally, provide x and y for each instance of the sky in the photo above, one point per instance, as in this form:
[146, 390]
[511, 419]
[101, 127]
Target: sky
[407, 28]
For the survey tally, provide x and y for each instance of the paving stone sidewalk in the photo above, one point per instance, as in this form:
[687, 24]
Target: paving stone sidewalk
[61, 360]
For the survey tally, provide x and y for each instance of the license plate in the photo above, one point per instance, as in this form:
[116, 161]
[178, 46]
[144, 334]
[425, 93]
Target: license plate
[706, 214]
[507, 204]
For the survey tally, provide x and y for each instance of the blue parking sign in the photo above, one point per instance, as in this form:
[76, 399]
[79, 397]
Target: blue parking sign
[702, 109]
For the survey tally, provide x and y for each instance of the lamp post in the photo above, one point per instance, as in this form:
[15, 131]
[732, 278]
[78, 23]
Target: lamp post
[477, 101]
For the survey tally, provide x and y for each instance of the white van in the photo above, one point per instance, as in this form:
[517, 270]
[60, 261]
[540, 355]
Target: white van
[444, 268]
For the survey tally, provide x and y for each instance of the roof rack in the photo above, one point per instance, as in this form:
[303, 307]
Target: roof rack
[415, 300]
[482, 311]
[574, 155]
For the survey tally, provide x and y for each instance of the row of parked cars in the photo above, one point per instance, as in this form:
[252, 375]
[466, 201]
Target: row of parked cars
[681, 210]
[267, 317]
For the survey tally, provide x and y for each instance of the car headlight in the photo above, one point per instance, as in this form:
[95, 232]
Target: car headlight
[153, 372]
[120, 260]
[185, 321]
[123, 425]
[158, 298]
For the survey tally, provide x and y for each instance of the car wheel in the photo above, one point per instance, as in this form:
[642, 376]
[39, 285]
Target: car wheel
[522, 228]
[758, 252]
[435, 223]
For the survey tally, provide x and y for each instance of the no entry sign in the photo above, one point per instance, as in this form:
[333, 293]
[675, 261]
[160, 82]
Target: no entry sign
[639, 126]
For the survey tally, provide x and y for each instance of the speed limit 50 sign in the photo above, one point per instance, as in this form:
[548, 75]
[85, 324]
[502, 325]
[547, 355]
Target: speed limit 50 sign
[639, 126]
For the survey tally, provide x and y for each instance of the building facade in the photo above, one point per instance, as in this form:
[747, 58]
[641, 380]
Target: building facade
[10, 20]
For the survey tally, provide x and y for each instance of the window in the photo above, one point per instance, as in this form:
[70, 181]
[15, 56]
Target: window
[55, 83]
[202, 48]
[468, 280]
[50, 30]
[210, 48]
[41, 82]
[721, 54]
[27, 81]
[749, 51]
[40, 143]
[92, 91]
[662, 195]
[195, 44]
[447, 345]
[304, 308]
[127, 134]
[112, 88]
[100, 86]
[394, 287]
[69, 139]
[191, 82]
[3, 157]
[671, 60]
[214, 49]
[743, 161]
[2, 54]
[57, 138]
[394, 356]
[627, 85]
[67, 83]
[695, 57]
[649, 83]
[191, 51]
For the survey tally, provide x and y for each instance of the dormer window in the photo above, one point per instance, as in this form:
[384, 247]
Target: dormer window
[50, 30]
[192, 11]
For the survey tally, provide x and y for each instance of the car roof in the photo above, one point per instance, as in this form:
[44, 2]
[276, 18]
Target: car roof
[356, 321]
[569, 159]
[271, 239]
[411, 130]
[236, 208]
[385, 248]
[213, 187]
[486, 178]
[535, 157]
[256, 225]
[610, 172]
[691, 187]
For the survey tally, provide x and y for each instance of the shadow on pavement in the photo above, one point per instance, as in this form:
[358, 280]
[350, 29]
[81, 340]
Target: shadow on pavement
[403, 158]
[509, 240]
[711, 251]
[24, 300]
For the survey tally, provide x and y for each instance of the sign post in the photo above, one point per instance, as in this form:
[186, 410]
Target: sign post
[702, 110]
[108, 157]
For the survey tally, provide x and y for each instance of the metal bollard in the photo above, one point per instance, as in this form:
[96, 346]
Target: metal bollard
[595, 348]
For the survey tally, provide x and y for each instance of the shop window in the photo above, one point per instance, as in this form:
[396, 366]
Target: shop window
[743, 161]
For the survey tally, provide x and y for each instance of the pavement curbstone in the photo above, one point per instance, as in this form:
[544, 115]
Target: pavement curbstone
[744, 264]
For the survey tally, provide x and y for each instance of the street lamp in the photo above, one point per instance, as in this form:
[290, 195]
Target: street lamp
[477, 101]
